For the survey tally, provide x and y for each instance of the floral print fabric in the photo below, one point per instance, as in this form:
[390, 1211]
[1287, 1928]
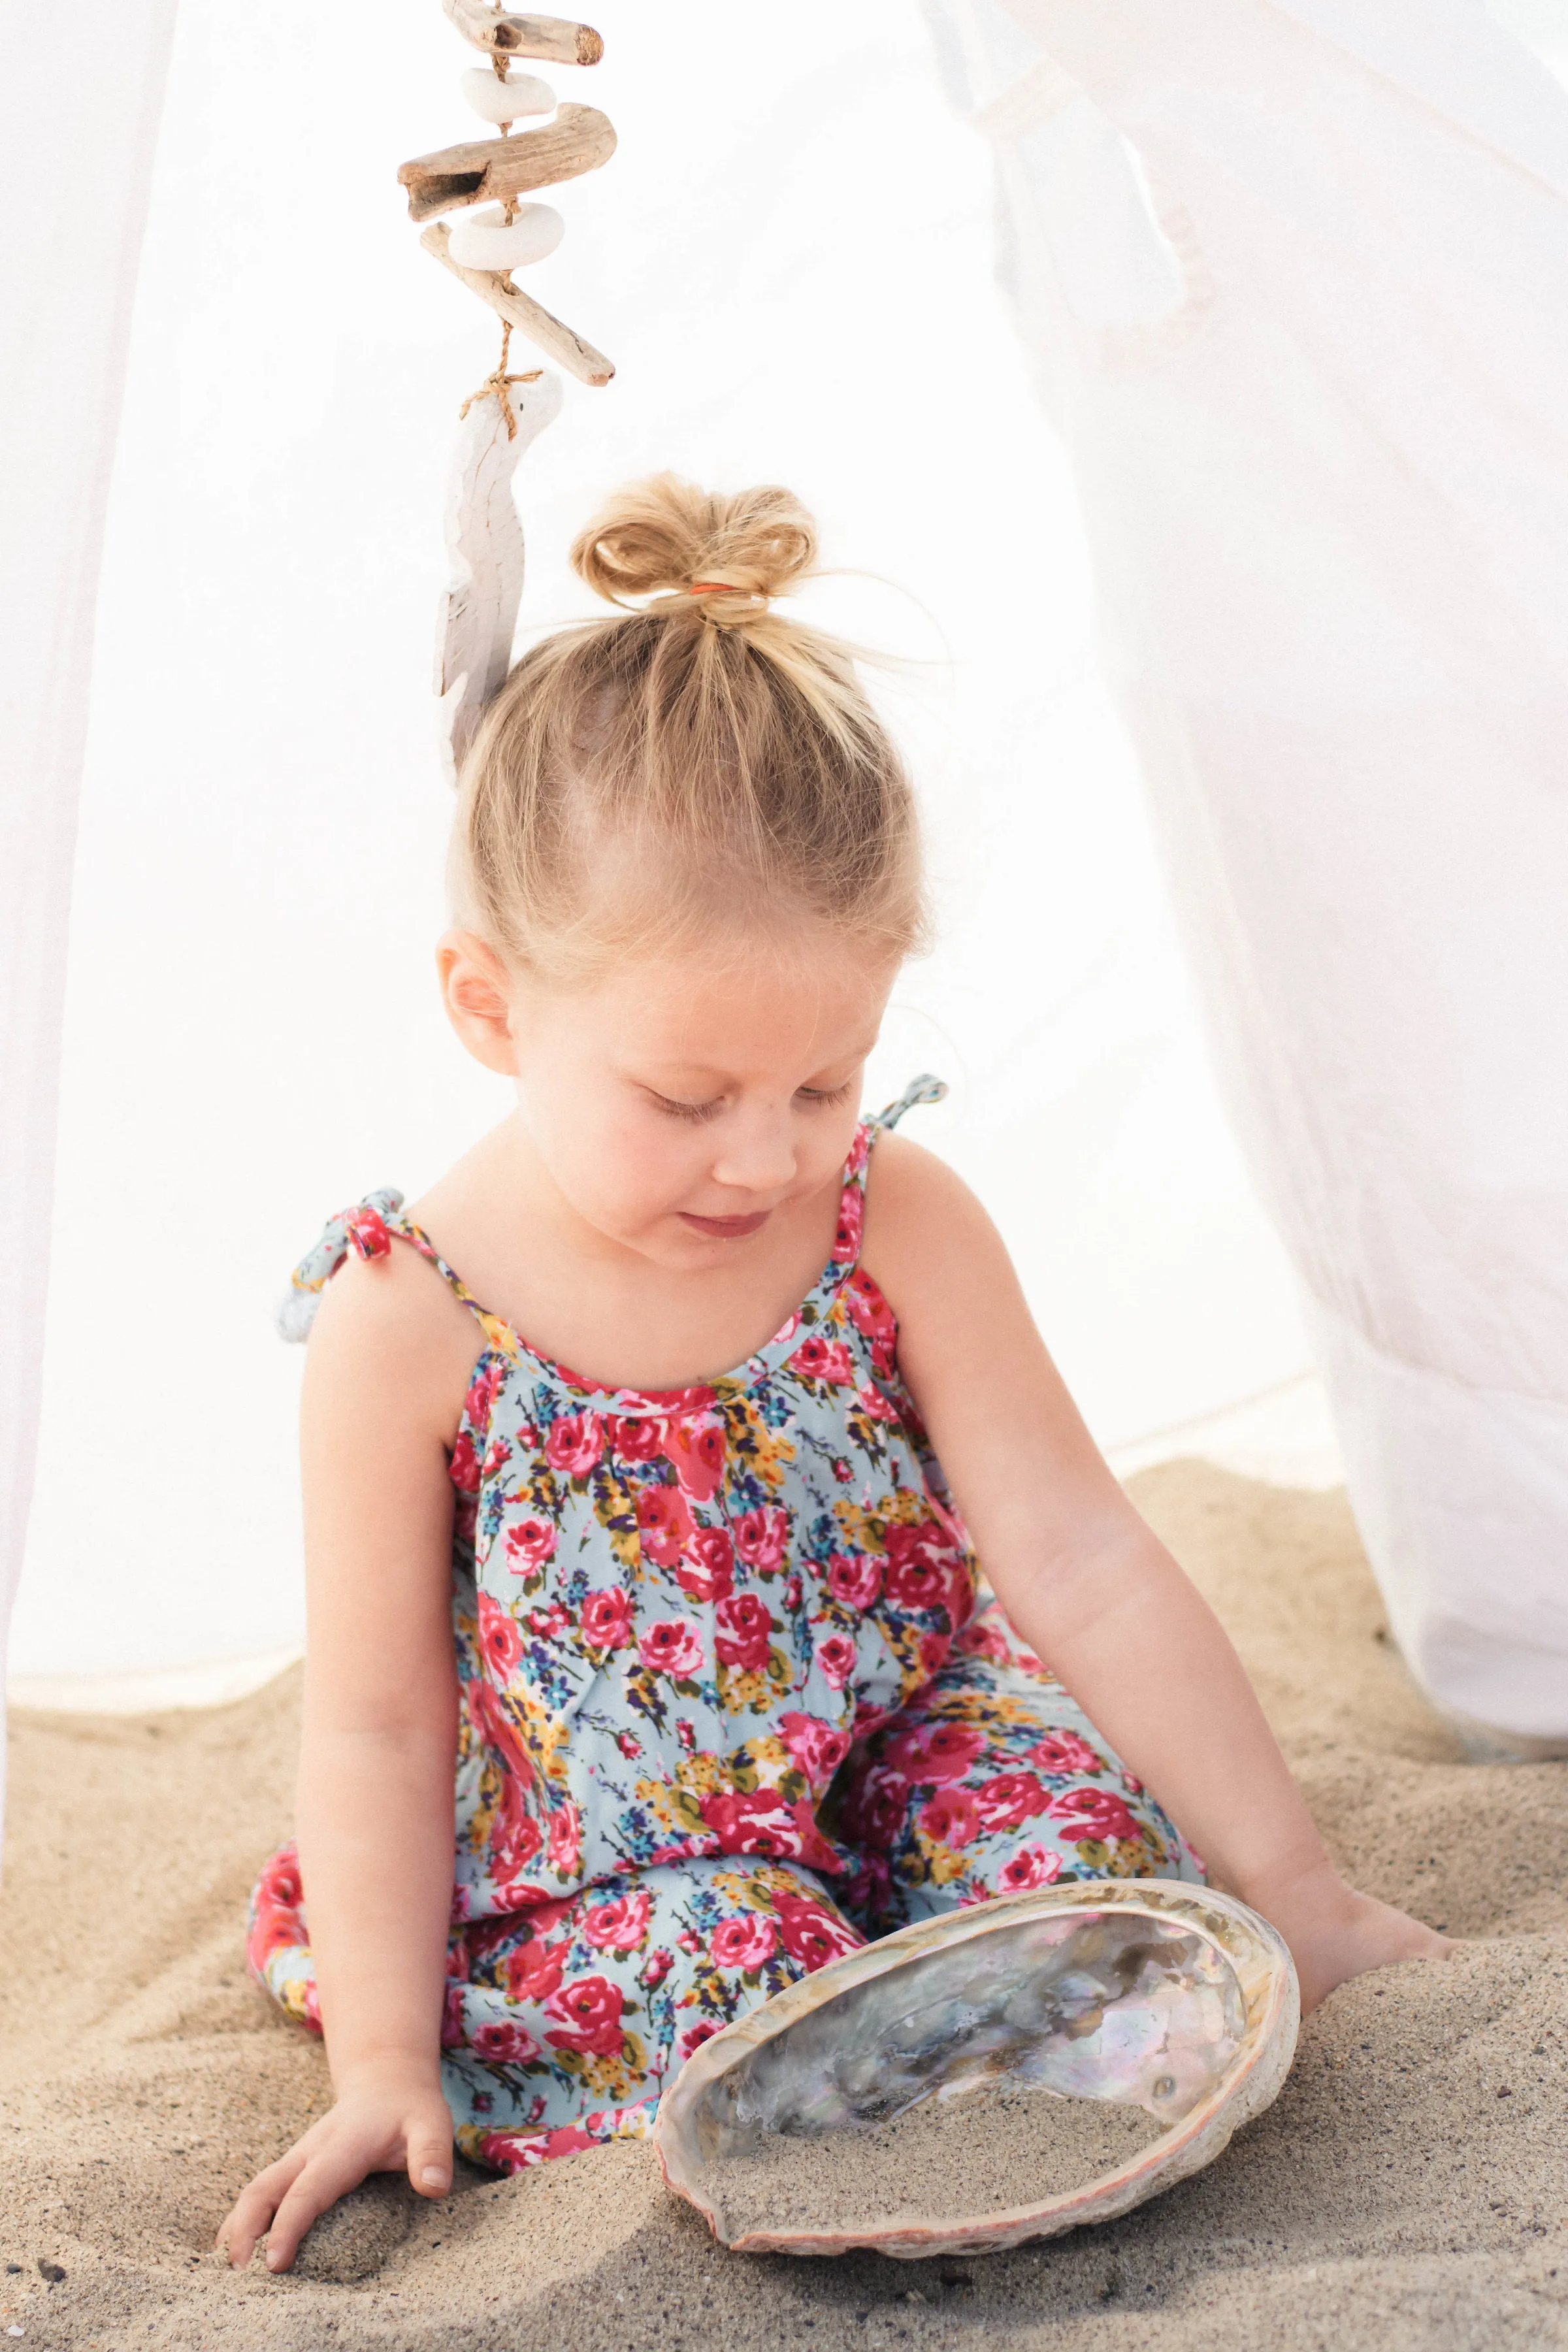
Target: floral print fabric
[729, 1704]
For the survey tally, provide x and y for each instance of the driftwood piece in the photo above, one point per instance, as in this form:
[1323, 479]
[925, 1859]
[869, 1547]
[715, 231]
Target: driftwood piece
[525, 37]
[484, 539]
[579, 140]
[520, 310]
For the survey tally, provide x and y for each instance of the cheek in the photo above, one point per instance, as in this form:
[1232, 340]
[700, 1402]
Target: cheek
[620, 1168]
[825, 1145]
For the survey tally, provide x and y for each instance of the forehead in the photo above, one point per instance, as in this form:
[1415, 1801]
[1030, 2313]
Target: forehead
[793, 1006]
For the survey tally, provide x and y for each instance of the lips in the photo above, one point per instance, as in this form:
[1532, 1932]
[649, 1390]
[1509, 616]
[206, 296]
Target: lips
[726, 1229]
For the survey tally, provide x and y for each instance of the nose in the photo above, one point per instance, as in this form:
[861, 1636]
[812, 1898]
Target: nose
[757, 1154]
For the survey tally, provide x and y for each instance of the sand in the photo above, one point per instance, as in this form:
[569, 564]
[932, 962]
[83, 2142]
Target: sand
[1408, 2193]
[986, 2151]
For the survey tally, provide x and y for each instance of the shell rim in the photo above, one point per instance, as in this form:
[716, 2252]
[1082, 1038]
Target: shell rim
[1171, 1898]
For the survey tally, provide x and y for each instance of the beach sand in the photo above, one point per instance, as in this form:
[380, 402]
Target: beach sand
[1407, 2192]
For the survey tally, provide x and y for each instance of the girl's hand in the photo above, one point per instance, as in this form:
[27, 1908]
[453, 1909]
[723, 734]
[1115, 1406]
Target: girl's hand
[1335, 1933]
[386, 2118]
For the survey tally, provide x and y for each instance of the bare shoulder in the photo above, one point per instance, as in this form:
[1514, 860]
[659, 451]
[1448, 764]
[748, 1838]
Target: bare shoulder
[924, 1226]
[390, 1335]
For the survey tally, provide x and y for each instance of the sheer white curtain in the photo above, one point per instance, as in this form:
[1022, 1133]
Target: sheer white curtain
[1292, 274]
[78, 128]
[790, 260]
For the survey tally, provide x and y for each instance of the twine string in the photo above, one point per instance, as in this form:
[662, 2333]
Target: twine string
[499, 383]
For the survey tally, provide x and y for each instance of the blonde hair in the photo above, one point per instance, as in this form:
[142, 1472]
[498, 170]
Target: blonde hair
[706, 755]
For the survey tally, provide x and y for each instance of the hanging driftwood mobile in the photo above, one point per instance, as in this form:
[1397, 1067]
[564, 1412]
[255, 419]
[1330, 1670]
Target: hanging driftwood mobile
[481, 249]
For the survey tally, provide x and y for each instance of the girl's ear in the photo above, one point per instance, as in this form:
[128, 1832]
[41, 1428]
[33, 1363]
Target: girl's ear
[478, 992]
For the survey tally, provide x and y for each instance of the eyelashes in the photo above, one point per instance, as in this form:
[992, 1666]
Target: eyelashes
[696, 1114]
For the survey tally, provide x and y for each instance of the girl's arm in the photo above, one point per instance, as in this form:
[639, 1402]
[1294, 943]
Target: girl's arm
[1089, 1586]
[388, 1365]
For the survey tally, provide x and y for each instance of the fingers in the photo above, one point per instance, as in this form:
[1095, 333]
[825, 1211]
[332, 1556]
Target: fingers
[320, 2183]
[255, 2207]
[430, 2158]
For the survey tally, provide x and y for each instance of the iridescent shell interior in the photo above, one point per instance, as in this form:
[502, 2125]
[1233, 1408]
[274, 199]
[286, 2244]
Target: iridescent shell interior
[1168, 1999]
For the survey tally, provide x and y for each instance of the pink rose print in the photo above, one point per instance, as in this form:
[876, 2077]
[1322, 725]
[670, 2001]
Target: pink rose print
[755, 1821]
[1010, 1800]
[620, 1926]
[872, 1317]
[659, 1965]
[1093, 1814]
[549, 1623]
[498, 1457]
[761, 1537]
[696, 2035]
[663, 1523]
[605, 1621]
[935, 1752]
[453, 2029]
[935, 1649]
[689, 1942]
[812, 1934]
[817, 1358]
[629, 1745]
[673, 1646]
[794, 1593]
[637, 1437]
[707, 1568]
[836, 1657]
[515, 1836]
[1064, 1751]
[744, 1943]
[575, 1443]
[686, 1732]
[920, 1572]
[565, 1838]
[588, 2009]
[696, 1446]
[817, 1747]
[505, 2045]
[951, 1818]
[498, 1639]
[528, 1545]
[745, 1630]
[875, 1815]
[533, 1970]
[464, 1467]
[852, 1223]
[855, 1578]
[874, 1404]
[984, 1642]
[483, 1391]
[1030, 1867]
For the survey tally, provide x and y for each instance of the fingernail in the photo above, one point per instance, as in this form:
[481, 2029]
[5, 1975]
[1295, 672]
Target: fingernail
[432, 2176]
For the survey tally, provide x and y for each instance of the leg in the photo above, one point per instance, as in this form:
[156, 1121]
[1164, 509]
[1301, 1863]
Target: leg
[564, 2022]
[991, 1780]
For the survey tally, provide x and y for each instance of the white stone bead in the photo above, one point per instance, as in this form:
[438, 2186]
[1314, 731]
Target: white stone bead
[506, 102]
[488, 240]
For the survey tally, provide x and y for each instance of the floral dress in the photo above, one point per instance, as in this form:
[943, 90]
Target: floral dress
[732, 1701]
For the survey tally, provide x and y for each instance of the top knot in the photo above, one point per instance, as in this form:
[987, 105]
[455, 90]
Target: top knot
[726, 556]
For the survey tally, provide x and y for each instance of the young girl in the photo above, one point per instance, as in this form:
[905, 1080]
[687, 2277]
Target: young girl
[689, 1642]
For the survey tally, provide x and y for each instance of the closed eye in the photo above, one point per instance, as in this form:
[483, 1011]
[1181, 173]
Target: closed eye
[821, 1097]
[695, 1112]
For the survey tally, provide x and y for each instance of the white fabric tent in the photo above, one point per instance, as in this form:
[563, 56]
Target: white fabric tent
[790, 260]
[1293, 276]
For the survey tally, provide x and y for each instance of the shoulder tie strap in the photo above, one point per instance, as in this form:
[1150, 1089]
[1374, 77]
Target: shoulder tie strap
[923, 1089]
[363, 1229]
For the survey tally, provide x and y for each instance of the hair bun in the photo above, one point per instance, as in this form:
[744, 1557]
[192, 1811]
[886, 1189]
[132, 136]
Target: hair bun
[663, 536]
